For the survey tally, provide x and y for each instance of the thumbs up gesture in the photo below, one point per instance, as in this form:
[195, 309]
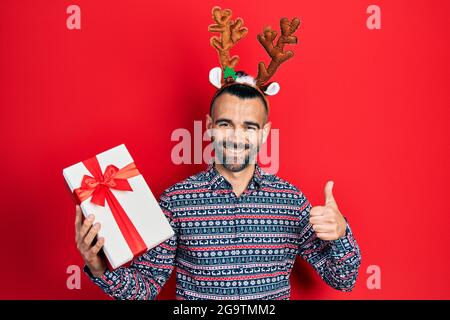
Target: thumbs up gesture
[327, 221]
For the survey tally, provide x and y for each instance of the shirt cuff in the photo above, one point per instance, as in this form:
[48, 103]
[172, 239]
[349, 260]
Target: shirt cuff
[346, 243]
[102, 280]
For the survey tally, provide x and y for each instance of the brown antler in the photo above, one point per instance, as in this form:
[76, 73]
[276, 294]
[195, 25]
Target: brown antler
[232, 32]
[276, 52]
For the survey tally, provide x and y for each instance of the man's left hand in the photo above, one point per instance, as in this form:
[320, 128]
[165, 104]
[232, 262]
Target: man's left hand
[327, 221]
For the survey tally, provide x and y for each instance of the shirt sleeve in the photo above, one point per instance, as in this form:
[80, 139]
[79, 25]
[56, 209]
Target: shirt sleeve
[336, 261]
[147, 274]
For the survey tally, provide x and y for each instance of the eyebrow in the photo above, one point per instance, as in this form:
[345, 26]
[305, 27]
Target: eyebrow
[247, 123]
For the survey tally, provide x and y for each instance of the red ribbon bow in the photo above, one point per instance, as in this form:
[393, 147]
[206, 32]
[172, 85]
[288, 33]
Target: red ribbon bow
[100, 185]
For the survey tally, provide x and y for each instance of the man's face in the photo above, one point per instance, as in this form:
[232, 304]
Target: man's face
[238, 128]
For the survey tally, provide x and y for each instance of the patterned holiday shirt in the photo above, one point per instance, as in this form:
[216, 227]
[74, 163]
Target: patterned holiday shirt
[229, 247]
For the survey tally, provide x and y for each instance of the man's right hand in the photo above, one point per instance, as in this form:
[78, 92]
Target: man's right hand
[85, 234]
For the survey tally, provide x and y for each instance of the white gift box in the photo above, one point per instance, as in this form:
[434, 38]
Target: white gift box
[140, 206]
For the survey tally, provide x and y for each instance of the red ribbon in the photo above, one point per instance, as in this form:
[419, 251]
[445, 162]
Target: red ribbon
[100, 185]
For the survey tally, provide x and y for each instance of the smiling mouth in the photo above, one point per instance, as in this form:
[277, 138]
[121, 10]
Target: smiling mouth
[233, 150]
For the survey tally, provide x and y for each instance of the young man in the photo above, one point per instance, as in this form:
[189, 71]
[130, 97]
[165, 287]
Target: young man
[238, 230]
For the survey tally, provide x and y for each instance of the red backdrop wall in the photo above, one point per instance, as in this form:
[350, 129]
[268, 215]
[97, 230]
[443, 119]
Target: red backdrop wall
[366, 108]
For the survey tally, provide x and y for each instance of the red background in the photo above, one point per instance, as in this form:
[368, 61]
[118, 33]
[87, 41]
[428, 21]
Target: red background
[366, 108]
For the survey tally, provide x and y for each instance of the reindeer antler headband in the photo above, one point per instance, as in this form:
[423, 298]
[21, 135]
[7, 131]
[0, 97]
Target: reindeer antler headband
[233, 31]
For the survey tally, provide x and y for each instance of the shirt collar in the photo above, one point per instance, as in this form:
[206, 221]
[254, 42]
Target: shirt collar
[217, 181]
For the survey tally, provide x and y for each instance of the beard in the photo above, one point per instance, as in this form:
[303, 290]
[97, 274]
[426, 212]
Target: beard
[235, 156]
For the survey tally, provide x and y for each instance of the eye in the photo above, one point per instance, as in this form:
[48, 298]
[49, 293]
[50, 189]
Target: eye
[252, 128]
[223, 124]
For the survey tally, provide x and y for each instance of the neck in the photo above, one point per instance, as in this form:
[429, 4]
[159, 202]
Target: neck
[239, 180]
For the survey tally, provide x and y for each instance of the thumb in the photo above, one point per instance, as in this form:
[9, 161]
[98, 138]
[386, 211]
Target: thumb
[329, 199]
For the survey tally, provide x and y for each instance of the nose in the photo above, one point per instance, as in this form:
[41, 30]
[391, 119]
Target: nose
[235, 137]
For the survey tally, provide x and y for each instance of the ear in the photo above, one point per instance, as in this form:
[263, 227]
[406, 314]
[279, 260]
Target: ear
[209, 122]
[215, 77]
[209, 127]
[272, 89]
[266, 130]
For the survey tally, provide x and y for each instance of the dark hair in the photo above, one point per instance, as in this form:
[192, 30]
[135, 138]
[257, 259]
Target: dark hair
[241, 91]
